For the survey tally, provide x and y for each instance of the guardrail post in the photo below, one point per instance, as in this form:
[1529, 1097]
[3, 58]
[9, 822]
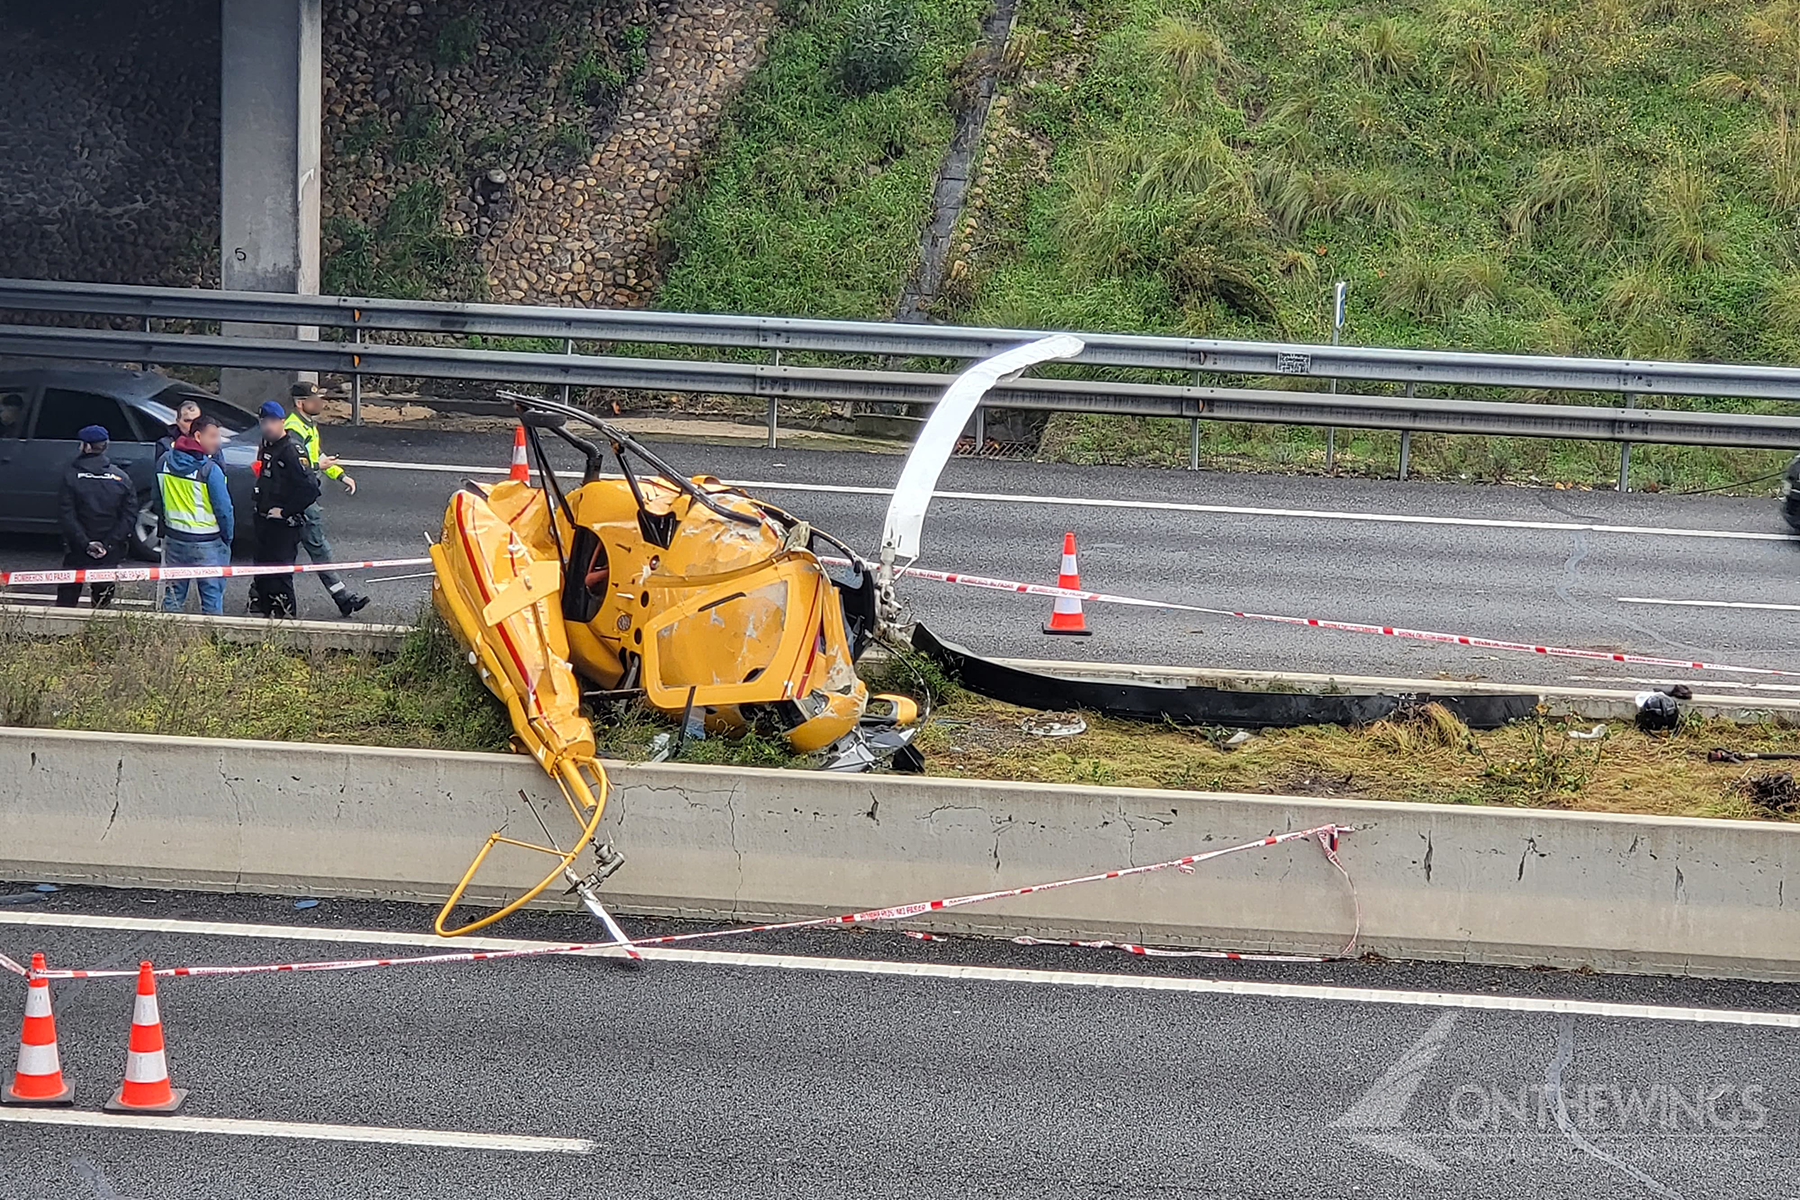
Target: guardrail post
[569, 349]
[772, 417]
[356, 379]
[1337, 330]
[1625, 450]
[1194, 435]
[980, 427]
[1406, 439]
[144, 365]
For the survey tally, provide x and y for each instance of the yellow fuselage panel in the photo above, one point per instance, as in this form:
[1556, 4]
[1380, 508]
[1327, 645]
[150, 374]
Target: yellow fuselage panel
[728, 614]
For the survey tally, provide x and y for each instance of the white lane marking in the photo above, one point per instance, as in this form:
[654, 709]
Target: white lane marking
[1236, 510]
[920, 970]
[1707, 603]
[11, 597]
[517, 1143]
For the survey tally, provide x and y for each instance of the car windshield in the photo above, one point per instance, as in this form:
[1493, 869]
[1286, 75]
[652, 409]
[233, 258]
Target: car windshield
[234, 419]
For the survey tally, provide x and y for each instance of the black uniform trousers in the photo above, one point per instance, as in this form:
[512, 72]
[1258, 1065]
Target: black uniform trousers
[68, 595]
[277, 542]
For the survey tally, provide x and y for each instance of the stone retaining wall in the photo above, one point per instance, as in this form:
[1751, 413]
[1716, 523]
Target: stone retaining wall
[540, 187]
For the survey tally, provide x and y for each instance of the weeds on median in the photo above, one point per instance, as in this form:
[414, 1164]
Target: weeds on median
[131, 675]
[127, 674]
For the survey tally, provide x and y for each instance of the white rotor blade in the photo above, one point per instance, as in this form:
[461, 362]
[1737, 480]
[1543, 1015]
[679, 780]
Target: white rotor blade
[901, 536]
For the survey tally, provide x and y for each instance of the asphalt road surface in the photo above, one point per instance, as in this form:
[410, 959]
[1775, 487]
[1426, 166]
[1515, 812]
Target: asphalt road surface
[1593, 570]
[928, 1070]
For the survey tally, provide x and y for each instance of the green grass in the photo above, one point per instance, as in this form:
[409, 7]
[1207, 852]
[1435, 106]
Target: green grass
[1540, 175]
[409, 253]
[813, 200]
[456, 40]
[1616, 178]
[130, 675]
[1606, 179]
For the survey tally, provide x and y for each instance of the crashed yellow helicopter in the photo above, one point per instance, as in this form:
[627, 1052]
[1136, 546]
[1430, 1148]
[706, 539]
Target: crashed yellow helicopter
[705, 601]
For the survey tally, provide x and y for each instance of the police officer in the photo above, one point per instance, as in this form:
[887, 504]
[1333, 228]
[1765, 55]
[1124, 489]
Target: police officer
[309, 402]
[285, 487]
[96, 508]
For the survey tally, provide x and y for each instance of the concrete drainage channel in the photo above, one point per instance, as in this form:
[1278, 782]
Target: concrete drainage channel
[1513, 886]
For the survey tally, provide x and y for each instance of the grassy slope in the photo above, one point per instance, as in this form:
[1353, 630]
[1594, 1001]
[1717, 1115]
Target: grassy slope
[813, 202]
[1540, 176]
[1603, 178]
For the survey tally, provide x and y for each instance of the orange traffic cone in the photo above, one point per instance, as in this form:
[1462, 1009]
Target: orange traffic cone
[1066, 617]
[146, 1088]
[39, 1079]
[520, 471]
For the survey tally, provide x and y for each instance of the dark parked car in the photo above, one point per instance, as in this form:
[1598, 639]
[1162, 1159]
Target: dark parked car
[42, 408]
[1790, 495]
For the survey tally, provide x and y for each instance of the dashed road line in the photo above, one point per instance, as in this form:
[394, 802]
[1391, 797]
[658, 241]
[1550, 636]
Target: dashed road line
[1707, 603]
[515, 1143]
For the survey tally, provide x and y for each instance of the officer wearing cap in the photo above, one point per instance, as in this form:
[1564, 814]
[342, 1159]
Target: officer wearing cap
[96, 509]
[285, 488]
[309, 402]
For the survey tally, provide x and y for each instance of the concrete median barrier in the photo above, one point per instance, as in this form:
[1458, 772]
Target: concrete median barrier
[1438, 882]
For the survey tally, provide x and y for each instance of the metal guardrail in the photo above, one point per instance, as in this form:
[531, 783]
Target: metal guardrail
[1371, 363]
[776, 382]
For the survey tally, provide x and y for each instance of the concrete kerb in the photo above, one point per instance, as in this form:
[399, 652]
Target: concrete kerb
[34, 621]
[1515, 886]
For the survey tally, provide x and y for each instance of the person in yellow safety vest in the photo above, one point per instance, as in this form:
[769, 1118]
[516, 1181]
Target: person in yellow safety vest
[309, 402]
[195, 506]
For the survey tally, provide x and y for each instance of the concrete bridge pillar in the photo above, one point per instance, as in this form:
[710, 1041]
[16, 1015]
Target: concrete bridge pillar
[269, 84]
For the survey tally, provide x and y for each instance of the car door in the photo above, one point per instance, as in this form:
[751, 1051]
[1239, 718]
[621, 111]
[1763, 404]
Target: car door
[55, 442]
[15, 471]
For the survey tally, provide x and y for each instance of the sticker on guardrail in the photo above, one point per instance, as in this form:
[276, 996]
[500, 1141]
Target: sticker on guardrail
[1326, 835]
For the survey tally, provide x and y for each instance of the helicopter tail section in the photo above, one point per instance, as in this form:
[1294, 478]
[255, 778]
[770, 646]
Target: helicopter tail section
[500, 593]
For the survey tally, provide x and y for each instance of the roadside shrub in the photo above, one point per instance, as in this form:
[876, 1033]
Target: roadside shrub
[456, 40]
[592, 80]
[879, 48]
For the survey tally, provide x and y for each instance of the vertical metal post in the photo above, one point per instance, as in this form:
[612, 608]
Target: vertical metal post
[568, 348]
[1337, 329]
[146, 366]
[1194, 436]
[774, 360]
[980, 428]
[1406, 441]
[1625, 450]
[356, 378]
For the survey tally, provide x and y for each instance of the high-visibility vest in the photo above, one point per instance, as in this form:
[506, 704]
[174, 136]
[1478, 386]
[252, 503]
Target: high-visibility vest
[187, 502]
[308, 433]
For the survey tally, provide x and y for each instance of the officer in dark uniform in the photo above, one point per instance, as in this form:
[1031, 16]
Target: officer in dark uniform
[96, 509]
[285, 488]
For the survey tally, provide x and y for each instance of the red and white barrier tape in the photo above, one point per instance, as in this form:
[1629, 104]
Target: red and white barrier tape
[141, 574]
[1326, 835]
[1394, 631]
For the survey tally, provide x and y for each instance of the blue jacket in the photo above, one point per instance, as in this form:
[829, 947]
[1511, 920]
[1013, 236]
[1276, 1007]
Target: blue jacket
[199, 466]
